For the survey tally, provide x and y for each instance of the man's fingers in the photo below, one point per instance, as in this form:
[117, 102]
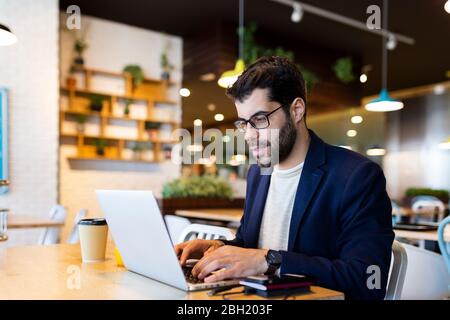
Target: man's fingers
[199, 265]
[185, 255]
[179, 248]
[210, 267]
[222, 275]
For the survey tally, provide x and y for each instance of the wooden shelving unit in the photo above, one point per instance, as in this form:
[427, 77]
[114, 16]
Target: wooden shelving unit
[151, 92]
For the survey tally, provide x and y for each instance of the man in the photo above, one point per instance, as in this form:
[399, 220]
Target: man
[323, 211]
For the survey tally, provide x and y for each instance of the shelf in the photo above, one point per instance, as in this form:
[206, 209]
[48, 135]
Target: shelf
[99, 114]
[130, 97]
[76, 135]
[110, 159]
[122, 74]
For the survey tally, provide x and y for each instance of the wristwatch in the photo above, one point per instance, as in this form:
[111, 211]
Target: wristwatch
[273, 259]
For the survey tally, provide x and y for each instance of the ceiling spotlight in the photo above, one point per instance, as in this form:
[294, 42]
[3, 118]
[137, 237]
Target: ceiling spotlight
[211, 107]
[352, 133]
[376, 151]
[363, 78]
[447, 6]
[391, 43]
[197, 122]
[357, 119]
[219, 117]
[297, 12]
[185, 92]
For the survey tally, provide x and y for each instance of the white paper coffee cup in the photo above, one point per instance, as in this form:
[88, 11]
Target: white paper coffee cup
[93, 238]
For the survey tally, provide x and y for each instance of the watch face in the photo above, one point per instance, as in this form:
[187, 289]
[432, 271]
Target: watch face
[274, 257]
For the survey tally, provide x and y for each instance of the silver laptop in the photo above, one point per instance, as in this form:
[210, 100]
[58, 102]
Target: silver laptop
[140, 234]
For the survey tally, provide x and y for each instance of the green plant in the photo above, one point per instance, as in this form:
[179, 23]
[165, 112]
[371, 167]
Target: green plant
[96, 102]
[100, 145]
[79, 46]
[206, 186]
[438, 193]
[81, 118]
[343, 68]
[136, 73]
[126, 111]
[253, 51]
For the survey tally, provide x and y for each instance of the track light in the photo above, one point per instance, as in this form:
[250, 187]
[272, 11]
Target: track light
[391, 43]
[447, 6]
[297, 12]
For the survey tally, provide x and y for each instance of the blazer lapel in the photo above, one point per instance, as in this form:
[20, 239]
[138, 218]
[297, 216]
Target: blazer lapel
[309, 182]
[257, 211]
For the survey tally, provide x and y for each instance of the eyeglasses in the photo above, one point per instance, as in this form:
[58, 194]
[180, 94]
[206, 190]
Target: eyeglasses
[257, 121]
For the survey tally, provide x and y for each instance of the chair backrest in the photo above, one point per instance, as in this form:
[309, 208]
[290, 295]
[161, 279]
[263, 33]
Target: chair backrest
[426, 275]
[51, 235]
[206, 232]
[427, 205]
[74, 237]
[175, 225]
[444, 246]
[397, 272]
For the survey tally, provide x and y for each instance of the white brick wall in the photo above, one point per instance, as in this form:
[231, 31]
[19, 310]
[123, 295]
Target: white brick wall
[30, 70]
[111, 46]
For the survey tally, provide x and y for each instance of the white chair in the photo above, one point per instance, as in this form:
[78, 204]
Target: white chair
[175, 225]
[74, 237]
[206, 232]
[51, 235]
[428, 206]
[397, 272]
[426, 275]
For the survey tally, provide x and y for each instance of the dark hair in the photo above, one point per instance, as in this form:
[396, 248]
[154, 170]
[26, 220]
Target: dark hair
[278, 74]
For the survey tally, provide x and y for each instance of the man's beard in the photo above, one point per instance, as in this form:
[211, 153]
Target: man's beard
[283, 147]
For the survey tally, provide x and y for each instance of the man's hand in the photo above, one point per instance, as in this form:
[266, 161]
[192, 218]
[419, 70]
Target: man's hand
[236, 262]
[195, 249]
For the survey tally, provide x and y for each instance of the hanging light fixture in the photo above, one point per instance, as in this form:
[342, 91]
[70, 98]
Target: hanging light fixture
[229, 77]
[6, 36]
[384, 102]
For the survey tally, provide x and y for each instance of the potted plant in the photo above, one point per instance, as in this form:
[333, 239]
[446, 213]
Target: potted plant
[96, 102]
[198, 192]
[410, 193]
[138, 147]
[71, 81]
[100, 145]
[166, 66]
[343, 69]
[152, 129]
[136, 73]
[126, 111]
[81, 119]
[79, 46]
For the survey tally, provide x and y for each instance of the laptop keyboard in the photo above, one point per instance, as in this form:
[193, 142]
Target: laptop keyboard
[189, 277]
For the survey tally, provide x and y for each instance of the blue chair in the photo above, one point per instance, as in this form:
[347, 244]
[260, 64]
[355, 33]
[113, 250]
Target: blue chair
[443, 245]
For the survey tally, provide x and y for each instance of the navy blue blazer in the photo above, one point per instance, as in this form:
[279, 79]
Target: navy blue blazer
[341, 221]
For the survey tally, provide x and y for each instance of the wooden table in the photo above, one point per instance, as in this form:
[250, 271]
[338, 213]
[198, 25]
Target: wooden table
[224, 215]
[234, 215]
[56, 272]
[422, 235]
[16, 221]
